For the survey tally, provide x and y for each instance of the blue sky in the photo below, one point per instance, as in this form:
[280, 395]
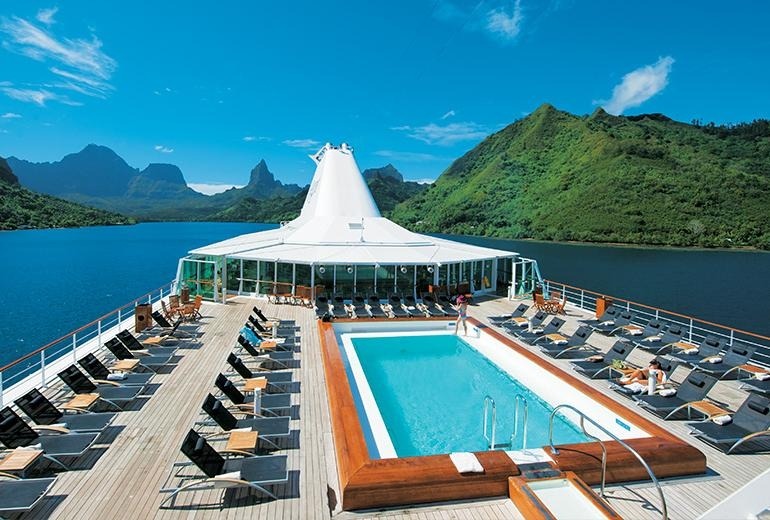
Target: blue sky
[214, 88]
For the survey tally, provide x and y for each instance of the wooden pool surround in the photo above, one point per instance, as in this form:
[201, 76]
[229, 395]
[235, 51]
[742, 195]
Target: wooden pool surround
[370, 483]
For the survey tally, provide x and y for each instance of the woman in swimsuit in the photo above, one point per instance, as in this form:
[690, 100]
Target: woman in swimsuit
[462, 312]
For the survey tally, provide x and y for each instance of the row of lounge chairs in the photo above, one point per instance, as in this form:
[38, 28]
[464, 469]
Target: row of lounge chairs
[62, 433]
[428, 306]
[709, 361]
[264, 349]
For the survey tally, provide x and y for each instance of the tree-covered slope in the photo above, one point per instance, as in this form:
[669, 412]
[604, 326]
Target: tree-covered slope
[601, 178]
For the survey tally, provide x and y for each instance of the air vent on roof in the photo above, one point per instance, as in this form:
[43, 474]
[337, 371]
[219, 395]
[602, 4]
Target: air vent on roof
[355, 225]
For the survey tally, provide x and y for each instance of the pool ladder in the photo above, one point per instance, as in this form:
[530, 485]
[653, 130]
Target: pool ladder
[489, 425]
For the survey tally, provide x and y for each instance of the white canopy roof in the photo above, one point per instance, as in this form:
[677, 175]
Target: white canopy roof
[340, 224]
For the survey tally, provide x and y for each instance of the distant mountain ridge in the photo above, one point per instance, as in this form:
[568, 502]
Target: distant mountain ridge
[600, 178]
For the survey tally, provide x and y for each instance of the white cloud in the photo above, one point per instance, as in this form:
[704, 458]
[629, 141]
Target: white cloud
[251, 138]
[213, 188]
[451, 113]
[407, 156]
[505, 23]
[422, 181]
[82, 62]
[302, 143]
[38, 96]
[639, 85]
[45, 16]
[444, 135]
[10, 115]
[163, 149]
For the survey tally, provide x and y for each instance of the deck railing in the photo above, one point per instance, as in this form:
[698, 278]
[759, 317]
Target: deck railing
[39, 367]
[696, 328]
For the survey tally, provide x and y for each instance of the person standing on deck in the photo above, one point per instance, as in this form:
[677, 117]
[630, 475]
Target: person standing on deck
[462, 313]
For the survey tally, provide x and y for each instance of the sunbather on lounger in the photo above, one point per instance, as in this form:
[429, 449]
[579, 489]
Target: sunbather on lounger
[642, 375]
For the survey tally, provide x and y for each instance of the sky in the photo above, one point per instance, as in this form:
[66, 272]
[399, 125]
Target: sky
[215, 87]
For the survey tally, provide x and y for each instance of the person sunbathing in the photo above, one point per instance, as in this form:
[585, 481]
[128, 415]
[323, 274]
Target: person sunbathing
[642, 375]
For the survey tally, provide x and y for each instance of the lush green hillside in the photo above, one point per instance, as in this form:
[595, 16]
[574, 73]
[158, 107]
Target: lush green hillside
[601, 178]
[21, 208]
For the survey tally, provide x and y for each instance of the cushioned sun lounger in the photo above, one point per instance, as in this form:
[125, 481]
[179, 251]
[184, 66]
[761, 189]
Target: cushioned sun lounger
[534, 322]
[413, 307]
[517, 313]
[254, 472]
[670, 339]
[266, 330]
[756, 386]
[270, 428]
[397, 307]
[255, 338]
[132, 343]
[21, 495]
[446, 308]
[270, 403]
[375, 307]
[751, 421]
[446, 304]
[609, 315]
[117, 396]
[276, 381]
[735, 356]
[15, 433]
[42, 411]
[280, 322]
[359, 307]
[552, 327]
[322, 307]
[666, 365]
[694, 388]
[633, 332]
[150, 362]
[430, 308]
[100, 372]
[603, 369]
[338, 308]
[620, 320]
[572, 347]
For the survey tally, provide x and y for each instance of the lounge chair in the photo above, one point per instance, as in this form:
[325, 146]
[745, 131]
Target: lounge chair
[115, 395]
[359, 307]
[150, 362]
[666, 365]
[253, 472]
[431, 307]
[270, 428]
[270, 403]
[397, 307]
[518, 312]
[610, 327]
[735, 356]
[671, 339]
[163, 327]
[266, 330]
[280, 322]
[274, 379]
[256, 337]
[552, 327]
[100, 372]
[751, 421]
[322, 307]
[756, 386]
[534, 322]
[603, 368]
[690, 353]
[42, 411]
[633, 333]
[339, 310]
[260, 351]
[151, 345]
[58, 442]
[609, 314]
[693, 389]
[375, 307]
[573, 347]
[19, 495]
[443, 303]
[413, 307]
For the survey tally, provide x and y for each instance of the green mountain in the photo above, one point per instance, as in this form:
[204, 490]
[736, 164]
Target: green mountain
[389, 188]
[21, 208]
[600, 178]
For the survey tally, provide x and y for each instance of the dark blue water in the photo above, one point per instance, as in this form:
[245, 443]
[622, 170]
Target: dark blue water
[56, 280]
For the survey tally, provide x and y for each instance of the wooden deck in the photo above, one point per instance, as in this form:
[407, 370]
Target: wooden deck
[133, 460]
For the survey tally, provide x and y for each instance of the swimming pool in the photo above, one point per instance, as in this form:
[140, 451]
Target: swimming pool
[429, 390]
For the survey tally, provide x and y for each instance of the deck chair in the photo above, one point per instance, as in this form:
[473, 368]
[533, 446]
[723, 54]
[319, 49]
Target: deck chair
[42, 411]
[150, 362]
[274, 379]
[15, 433]
[397, 307]
[270, 428]
[446, 304]
[609, 314]
[339, 310]
[603, 369]
[19, 495]
[432, 308]
[152, 345]
[552, 327]
[750, 421]
[276, 352]
[414, 307]
[670, 338]
[267, 330]
[322, 307]
[170, 312]
[359, 307]
[101, 373]
[255, 336]
[254, 472]
[518, 312]
[117, 396]
[735, 356]
[690, 353]
[572, 347]
[693, 389]
[163, 327]
[633, 333]
[280, 322]
[535, 321]
[375, 307]
[609, 327]
[666, 365]
[756, 386]
[270, 403]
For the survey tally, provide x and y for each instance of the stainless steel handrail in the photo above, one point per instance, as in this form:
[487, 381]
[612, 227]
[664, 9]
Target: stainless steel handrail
[519, 399]
[584, 417]
[490, 403]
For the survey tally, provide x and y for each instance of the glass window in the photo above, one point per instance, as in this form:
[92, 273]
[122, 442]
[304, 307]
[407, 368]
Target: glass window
[385, 279]
[324, 280]
[475, 275]
[487, 281]
[250, 276]
[344, 283]
[233, 274]
[285, 278]
[266, 277]
[365, 279]
[405, 279]
[424, 279]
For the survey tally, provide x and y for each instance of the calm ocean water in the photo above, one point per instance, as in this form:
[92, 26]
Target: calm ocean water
[57, 280]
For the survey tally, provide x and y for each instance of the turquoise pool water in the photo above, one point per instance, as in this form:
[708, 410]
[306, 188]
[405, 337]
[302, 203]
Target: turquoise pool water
[430, 392]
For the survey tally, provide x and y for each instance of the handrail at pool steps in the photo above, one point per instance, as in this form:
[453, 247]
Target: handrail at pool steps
[583, 418]
[696, 328]
[32, 369]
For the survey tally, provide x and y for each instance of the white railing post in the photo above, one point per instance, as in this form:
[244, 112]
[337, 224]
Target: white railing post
[1, 389]
[42, 369]
[119, 319]
[75, 347]
[690, 338]
[582, 298]
[99, 333]
[732, 336]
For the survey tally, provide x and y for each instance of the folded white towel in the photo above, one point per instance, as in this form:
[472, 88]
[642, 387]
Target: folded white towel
[31, 447]
[652, 339]
[522, 323]
[691, 351]
[466, 462]
[713, 360]
[537, 330]
[247, 429]
[235, 475]
[667, 392]
[560, 342]
[607, 323]
[762, 376]
[635, 388]
[722, 420]
[117, 376]
[635, 332]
